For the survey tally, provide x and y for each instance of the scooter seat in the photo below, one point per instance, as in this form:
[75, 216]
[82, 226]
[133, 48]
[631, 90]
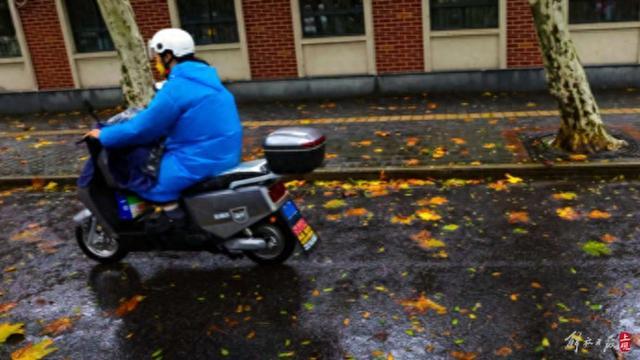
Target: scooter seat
[245, 170]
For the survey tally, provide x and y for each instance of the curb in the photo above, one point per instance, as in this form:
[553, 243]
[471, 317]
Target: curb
[528, 171]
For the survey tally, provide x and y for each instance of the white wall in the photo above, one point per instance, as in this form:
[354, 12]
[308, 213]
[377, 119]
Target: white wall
[598, 44]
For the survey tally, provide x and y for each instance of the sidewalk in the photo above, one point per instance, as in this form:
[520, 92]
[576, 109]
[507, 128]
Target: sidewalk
[429, 132]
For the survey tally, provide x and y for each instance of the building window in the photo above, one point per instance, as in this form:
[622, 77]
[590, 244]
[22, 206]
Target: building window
[90, 33]
[593, 11]
[9, 46]
[209, 21]
[332, 17]
[464, 14]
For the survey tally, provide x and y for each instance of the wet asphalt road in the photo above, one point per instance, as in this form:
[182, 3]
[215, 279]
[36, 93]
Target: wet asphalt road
[504, 286]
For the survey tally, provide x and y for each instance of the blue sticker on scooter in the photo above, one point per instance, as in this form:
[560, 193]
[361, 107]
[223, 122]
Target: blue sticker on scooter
[289, 210]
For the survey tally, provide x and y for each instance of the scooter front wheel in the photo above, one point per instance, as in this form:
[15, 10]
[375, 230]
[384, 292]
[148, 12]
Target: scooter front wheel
[97, 245]
[279, 246]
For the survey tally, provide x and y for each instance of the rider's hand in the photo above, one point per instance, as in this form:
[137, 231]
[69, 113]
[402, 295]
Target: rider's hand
[95, 133]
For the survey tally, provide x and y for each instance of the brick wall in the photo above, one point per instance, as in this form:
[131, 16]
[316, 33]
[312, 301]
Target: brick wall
[398, 35]
[151, 16]
[270, 39]
[522, 42]
[46, 44]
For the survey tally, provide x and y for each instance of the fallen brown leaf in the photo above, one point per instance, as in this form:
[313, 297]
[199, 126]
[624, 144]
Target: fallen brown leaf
[597, 214]
[129, 305]
[356, 212]
[504, 351]
[518, 217]
[459, 355]
[58, 326]
[6, 307]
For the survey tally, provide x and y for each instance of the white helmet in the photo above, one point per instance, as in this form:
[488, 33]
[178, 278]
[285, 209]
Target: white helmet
[178, 41]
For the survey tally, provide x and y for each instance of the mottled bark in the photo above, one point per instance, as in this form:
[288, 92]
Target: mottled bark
[137, 78]
[581, 129]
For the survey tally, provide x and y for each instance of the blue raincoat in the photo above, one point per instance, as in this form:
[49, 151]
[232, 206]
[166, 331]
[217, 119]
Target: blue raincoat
[199, 119]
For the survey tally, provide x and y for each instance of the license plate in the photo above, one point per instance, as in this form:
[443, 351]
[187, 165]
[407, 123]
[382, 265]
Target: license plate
[299, 226]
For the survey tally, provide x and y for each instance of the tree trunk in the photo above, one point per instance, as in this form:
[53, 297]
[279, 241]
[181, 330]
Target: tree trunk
[581, 129]
[137, 78]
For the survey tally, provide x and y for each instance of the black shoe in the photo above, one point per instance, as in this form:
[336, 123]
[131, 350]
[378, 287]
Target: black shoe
[157, 223]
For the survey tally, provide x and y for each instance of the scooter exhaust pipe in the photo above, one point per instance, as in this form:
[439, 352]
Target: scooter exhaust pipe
[245, 244]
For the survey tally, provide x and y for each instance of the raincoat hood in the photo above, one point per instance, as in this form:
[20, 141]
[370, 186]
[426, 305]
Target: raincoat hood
[197, 72]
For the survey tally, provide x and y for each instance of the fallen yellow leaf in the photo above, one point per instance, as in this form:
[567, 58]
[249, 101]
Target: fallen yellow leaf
[333, 217]
[6, 330]
[513, 179]
[578, 157]
[568, 213]
[428, 215]
[34, 351]
[41, 143]
[405, 220]
[498, 185]
[439, 152]
[458, 141]
[425, 241]
[422, 304]
[565, 196]
[438, 200]
[489, 146]
[335, 204]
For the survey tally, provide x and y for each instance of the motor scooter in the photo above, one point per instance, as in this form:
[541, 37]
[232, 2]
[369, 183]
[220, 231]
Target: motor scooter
[245, 211]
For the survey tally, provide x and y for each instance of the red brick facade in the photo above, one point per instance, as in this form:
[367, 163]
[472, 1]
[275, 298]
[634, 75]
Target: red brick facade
[151, 16]
[522, 42]
[398, 36]
[44, 38]
[270, 39]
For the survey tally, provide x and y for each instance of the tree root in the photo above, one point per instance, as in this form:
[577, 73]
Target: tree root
[582, 143]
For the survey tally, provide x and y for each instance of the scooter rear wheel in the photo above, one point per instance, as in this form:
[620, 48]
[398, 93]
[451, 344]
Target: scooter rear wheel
[280, 246]
[97, 245]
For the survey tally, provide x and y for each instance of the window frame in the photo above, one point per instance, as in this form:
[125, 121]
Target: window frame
[428, 35]
[176, 18]
[16, 36]
[599, 24]
[464, 28]
[316, 14]
[73, 40]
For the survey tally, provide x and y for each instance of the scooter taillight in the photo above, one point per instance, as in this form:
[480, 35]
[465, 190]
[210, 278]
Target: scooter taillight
[277, 191]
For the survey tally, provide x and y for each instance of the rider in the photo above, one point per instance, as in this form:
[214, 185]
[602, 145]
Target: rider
[193, 112]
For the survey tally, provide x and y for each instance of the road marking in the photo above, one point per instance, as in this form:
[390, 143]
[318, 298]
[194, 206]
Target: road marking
[500, 115]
